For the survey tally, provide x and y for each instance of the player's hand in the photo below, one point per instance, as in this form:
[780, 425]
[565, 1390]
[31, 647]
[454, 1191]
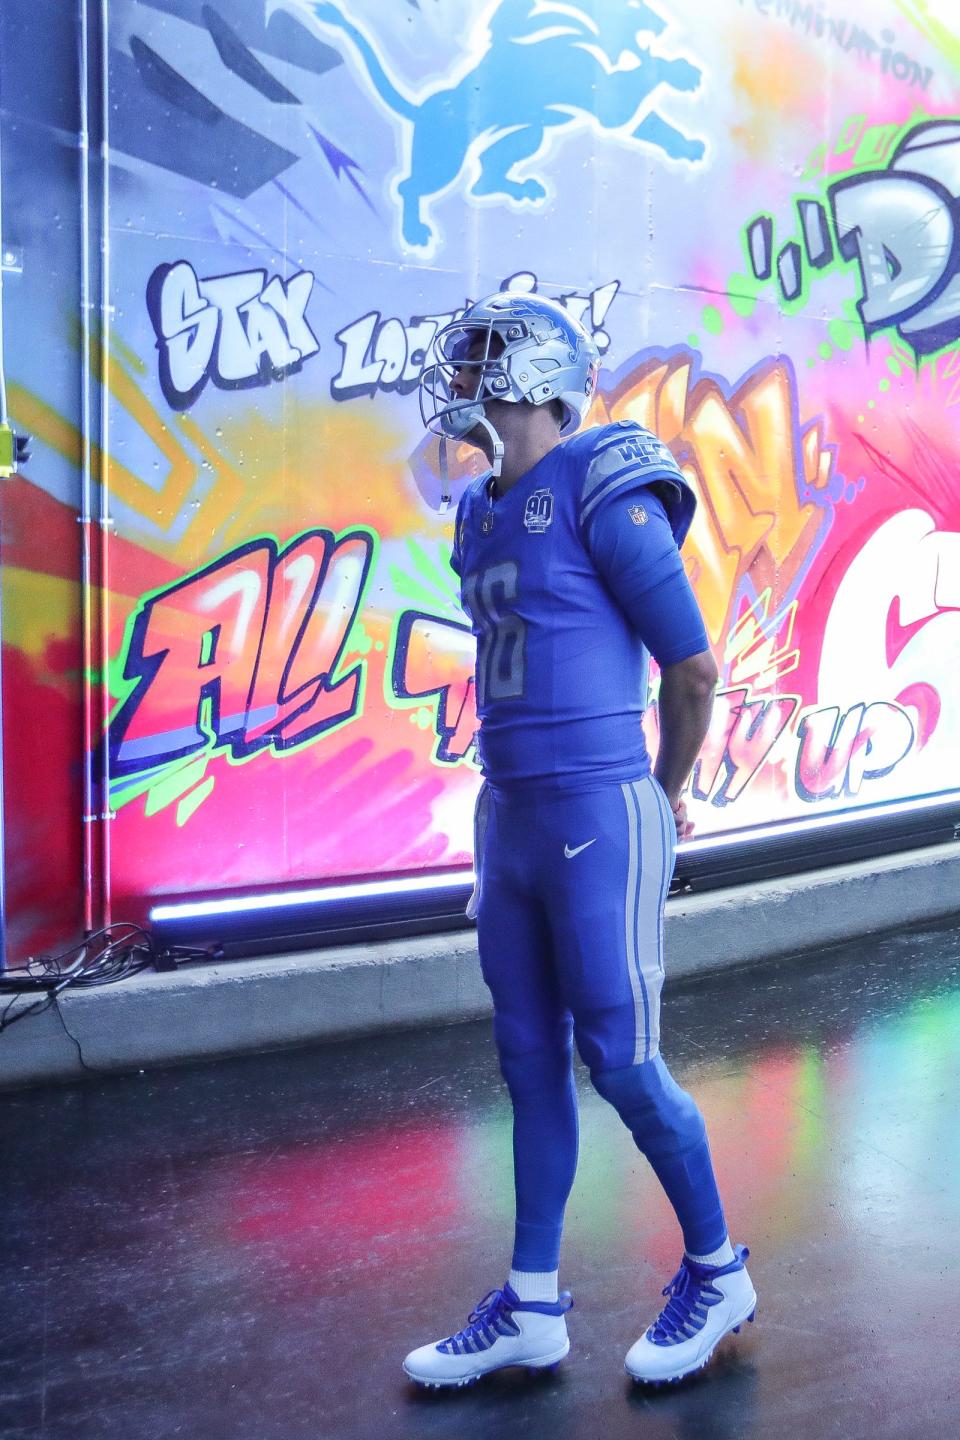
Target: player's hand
[684, 826]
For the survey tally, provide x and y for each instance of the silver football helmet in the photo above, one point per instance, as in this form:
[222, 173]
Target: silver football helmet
[513, 347]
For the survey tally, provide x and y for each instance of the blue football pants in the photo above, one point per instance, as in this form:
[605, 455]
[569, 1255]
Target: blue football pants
[571, 888]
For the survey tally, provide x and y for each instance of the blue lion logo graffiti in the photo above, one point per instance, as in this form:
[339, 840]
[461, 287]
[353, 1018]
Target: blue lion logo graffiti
[587, 69]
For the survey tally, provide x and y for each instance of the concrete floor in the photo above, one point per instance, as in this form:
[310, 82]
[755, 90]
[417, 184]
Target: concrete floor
[248, 1248]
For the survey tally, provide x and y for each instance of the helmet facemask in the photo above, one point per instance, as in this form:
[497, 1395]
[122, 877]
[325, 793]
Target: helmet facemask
[474, 348]
[511, 347]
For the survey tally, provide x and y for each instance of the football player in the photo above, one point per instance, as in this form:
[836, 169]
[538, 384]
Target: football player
[568, 553]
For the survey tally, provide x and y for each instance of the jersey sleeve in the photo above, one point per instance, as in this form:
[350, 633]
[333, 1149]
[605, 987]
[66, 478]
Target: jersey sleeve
[627, 457]
[632, 544]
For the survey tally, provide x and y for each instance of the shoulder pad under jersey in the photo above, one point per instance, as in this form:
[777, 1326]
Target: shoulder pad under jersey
[625, 455]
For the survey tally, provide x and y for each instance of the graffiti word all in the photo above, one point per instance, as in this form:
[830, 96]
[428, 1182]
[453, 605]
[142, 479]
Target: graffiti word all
[238, 330]
[249, 653]
[899, 225]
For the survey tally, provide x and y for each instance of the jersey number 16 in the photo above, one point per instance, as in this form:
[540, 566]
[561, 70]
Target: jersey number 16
[501, 652]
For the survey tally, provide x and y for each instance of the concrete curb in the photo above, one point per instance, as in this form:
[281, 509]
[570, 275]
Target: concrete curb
[268, 1002]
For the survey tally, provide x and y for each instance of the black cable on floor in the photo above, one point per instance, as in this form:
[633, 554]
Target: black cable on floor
[34, 1009]
[93, 1069]
[127, 949]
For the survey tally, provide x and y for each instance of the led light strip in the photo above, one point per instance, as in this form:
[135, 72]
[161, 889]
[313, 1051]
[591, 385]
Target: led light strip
[464, 879]
[285, 899]
[819, 822]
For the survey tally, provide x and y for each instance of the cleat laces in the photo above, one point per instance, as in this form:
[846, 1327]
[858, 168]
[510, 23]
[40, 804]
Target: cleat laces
[484, 1326]
[685, 1312]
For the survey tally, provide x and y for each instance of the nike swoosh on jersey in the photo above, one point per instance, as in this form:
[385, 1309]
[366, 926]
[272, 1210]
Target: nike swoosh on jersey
[570, 853]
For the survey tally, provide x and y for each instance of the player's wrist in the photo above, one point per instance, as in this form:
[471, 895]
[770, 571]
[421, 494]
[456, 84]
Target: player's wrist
[673, 794]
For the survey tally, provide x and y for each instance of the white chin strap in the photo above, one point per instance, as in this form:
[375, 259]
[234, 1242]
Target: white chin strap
[497, 462]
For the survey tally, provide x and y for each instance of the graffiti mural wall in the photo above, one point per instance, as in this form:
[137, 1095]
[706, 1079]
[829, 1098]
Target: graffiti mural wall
[756, 210]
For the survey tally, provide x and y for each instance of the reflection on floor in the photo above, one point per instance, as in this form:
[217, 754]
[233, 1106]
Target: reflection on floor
[248, 1249]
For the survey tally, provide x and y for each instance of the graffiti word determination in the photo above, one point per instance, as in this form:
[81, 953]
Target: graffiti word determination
[852, 39]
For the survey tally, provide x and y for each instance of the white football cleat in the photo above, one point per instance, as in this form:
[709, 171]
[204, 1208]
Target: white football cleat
[706, 1302]
[503, 1330]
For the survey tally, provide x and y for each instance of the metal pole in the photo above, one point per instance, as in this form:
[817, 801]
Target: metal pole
[85, 517]
[106, 520]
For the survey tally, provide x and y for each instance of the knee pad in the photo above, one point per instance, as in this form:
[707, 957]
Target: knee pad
[664, 1120]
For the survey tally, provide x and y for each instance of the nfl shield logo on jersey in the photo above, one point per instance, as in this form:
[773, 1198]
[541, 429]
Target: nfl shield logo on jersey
[539, 511]
[637, 514]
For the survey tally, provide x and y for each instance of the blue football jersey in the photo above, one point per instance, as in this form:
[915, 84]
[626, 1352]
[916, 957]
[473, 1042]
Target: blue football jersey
[563, 577]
